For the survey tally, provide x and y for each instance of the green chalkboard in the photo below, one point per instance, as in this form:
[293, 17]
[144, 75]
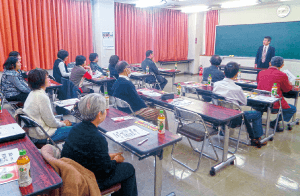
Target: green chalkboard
[244, 40]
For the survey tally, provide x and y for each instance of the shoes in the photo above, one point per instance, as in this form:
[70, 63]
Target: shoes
[257, 143]
[278, 129]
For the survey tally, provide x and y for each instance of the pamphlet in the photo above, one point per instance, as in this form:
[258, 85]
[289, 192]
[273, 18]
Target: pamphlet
[128, 133]
[66, 102]
[289, 74]
[9, 156]
[9, 173]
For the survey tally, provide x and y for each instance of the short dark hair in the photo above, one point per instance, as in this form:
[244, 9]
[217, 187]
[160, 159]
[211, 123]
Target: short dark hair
[10, 63]
[37, 78]
[231, 69]
[14, 53]
[120, 66]
[148, 53]
[62, 54]
[268, 37]
[80, 60]
[277, 61]
[215, 60]
[113, 60]
[93, 56]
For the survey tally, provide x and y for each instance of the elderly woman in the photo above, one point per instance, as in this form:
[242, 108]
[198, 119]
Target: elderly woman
[13, 84]
[114, 59]
[88, 147]
[38, 107]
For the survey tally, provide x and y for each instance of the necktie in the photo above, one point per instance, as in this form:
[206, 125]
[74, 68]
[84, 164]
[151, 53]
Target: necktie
[263, 58]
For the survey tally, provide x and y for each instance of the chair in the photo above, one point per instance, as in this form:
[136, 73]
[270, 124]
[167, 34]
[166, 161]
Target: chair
[220, 100]
[263, 108]
[119, 103]
[192, 126]
[13, 104]
[28, 123]
[68, 169]
[154, 83]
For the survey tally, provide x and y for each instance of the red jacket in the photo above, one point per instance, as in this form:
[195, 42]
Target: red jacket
[266, 79]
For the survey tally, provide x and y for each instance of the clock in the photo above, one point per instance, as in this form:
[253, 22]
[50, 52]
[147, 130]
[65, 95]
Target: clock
[283, 11]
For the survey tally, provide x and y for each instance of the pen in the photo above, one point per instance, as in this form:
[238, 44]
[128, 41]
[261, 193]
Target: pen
[141, 142]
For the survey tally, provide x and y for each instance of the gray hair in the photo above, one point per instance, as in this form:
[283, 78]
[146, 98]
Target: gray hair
[90, 105]
[277, 61]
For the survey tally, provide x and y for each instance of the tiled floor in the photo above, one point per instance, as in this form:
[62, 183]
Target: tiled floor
[272, 170]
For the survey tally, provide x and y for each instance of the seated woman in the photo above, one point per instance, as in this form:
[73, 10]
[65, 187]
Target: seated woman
[114, 59]
[88, 147]
[94, 66]
[13, 84]
[38, 107]
[59, 67]
[79, 73]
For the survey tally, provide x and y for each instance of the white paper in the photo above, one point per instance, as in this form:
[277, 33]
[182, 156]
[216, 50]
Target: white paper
[122, 118]
[128, 133]
[289, 74]
[181, 102]
[137, 74]
[150, 93]
[10, 130]
[66, 102]
[265, 98]
[9, 156]
[97, 74]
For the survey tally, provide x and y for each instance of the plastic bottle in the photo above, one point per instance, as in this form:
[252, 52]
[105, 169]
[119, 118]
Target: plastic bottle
[161, 122]
[209, 80]
[147, 70]
[274, 90]
[179, 89]
[175, 66]
[108, 73]
[23, 163]
[239, 76]
[297, 81]
[200, 70]
[106, 99]
[1, 99]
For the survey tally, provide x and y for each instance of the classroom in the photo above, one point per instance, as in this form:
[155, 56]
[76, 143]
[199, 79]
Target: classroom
[140, 97]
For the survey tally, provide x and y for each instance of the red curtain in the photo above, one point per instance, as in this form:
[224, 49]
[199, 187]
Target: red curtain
[39, 28]
[161, 30]
[170, 35]
[210, 38]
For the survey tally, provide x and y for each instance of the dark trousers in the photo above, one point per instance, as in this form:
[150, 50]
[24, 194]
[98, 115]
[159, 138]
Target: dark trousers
[124, 174]
[162, 82]
[287, 114]
[20, 97]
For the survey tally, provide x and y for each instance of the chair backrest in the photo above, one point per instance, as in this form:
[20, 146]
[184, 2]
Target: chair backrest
[29, 122]
[119, 103]
[51, 77]
[186, 116]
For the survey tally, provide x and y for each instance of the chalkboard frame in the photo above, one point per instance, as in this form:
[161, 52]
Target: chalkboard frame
[293, 52]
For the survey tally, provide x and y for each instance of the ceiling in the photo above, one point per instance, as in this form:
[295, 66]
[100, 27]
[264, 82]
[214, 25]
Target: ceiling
[214, 4]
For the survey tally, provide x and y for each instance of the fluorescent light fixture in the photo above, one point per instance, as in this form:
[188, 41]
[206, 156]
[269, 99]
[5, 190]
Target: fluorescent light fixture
[149, 3]
[192, 9]
[240, 3]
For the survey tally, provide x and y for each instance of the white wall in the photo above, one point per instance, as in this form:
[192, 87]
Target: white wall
[103, 17]
[254, 15]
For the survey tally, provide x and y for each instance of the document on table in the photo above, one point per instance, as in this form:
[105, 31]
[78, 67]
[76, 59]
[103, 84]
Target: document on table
[289, 74]
[66, 102]
[11, 132]
[180, 102]
[97, 75]
[128, 133]
[150, 93]
[265, 98]
[137, 74]
[9, 156]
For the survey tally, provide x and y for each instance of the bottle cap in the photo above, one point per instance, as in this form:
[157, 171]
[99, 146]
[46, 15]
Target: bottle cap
[22, 152]
[239, 70]
[297, 76]
[105, 93]
[161, 111]
[209, 74]
[275, 83]
[179, 84]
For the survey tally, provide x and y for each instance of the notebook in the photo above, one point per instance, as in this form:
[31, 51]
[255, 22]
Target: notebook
[11, 132]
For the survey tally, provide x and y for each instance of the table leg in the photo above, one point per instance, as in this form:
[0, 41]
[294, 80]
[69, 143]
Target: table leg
[267, 136]
[173, 82]
[225, 161]
[158, 174]
[105, 87]
[295, 104]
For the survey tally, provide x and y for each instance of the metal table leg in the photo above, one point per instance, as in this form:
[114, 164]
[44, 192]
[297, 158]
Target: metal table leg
[173, 82]
[267, 136]
[295, 104]
[158, 174]
[225, 161]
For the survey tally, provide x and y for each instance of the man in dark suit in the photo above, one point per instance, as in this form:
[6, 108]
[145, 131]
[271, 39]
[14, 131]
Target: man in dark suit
[154, 70]
[264, 54]
[213, 70]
